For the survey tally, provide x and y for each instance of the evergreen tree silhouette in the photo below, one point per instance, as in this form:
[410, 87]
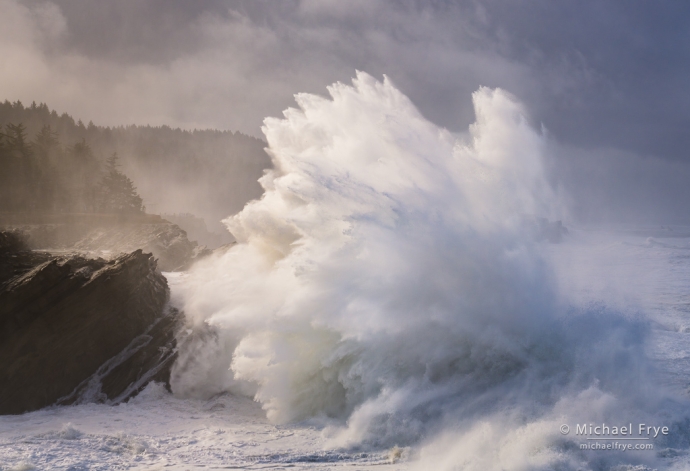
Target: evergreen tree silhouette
[22, 169]
[46, 150]
[118, 191]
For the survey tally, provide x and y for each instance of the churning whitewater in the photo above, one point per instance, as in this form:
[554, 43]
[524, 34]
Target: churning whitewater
[388, 285]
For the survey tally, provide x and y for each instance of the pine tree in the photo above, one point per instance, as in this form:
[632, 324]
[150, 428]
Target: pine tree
[46, 149]
[16, 134]
[22, 168]
[6, 190]
[83, 172]
[119, 194]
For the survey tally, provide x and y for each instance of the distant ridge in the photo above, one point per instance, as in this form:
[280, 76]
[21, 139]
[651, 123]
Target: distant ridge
[35, 116]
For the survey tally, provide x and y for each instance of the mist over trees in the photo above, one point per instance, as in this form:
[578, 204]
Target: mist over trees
[118, 193]
[45, 175]
[53, 163]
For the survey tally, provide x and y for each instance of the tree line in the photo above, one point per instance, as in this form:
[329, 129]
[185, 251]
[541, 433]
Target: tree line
[210, 173]
[43, 174]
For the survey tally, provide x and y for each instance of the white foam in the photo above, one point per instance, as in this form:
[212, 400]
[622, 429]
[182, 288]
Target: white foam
[387, 284]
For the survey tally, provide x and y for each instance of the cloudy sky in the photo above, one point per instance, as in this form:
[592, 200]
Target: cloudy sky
[608, 80]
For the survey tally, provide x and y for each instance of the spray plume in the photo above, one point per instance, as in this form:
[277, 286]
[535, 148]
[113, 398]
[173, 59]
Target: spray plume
[386, 283]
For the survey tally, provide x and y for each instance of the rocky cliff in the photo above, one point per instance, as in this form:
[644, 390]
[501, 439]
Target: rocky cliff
[107, 236]
[74, 329]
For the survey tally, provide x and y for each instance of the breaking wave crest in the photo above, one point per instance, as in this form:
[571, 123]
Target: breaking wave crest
[388, 283]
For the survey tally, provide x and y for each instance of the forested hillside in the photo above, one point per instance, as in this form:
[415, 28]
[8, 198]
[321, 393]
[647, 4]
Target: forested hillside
[208, 173]
[45, 175]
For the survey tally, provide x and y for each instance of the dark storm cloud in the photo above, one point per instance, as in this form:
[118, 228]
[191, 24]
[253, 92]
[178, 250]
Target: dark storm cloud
[598, 75]
[631, 62]
[134, 31]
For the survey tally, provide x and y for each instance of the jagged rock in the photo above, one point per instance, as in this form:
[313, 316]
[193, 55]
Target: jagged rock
[15, 257]
[166, 241]
[76, 329]
[12, 242]
[106, 236]
[148, 357]
[196, 230]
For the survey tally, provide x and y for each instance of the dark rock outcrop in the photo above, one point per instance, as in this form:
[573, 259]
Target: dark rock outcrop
[79, 330]
[15, 257]
[196, 229]
[107, 236]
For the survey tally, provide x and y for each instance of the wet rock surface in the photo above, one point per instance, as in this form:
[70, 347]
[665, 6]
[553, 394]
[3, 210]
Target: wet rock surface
[74, 329]
[107, 236]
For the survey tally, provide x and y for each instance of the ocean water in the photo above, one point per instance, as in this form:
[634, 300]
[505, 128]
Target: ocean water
[390, 305]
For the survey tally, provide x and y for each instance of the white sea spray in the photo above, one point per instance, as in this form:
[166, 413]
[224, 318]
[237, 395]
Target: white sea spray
[388, 282]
